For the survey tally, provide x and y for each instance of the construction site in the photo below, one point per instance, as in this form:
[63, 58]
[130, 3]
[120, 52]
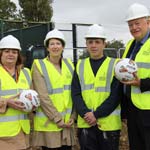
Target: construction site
[31, 37]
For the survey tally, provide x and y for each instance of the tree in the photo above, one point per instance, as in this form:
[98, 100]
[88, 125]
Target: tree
[115, 44]
[7, 10]
[36, 10]
[84, 54]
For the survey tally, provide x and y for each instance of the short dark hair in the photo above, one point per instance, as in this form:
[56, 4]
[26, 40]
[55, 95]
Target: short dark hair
[96, 38]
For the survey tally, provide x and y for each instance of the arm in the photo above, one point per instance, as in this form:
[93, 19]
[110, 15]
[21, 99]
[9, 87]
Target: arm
[145, 85]
[46, 103]
[78, 101]
[10, 102]
[109, 105]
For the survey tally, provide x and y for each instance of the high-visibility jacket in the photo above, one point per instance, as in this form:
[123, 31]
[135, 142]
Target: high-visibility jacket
[95, 90]
[141, 100]
[12, 121]
[59, 90]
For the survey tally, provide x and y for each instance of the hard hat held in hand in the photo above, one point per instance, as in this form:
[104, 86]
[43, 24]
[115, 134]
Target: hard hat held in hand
[124, 69]
[30, 99]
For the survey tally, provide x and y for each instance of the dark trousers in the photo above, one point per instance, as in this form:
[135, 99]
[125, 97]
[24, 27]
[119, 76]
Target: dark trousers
[139, 129]
[94, 139]
[60, 148]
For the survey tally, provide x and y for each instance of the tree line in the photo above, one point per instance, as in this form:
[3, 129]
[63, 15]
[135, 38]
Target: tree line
[31, 10]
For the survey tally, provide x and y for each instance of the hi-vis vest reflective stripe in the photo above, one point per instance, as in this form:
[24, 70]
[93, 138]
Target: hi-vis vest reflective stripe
[141, 100]
[12, 121]
[95, 90]
[59, 90]
[15, 91]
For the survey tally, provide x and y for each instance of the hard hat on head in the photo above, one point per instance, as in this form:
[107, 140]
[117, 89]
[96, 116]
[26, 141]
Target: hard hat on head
[54, 34]
[95, 31]
[136, 11]
[10, 42]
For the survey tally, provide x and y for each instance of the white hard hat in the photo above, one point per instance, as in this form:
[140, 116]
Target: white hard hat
[136, 11]
[95, 31]
[31, 96]
[54, 34]
[124, 69]
[11, 42]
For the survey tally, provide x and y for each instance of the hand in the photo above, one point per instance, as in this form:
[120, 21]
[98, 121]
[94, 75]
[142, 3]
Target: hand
[90, 118]
[12, 102]
[15, 104]
[135, 82]
[124, 121]
[70, 123]
[61, 124]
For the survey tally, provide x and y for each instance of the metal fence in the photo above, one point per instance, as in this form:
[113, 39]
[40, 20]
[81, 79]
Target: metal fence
[34, 35]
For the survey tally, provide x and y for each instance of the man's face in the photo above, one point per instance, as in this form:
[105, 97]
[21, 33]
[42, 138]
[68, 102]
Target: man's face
[138, 28]
[95, 47]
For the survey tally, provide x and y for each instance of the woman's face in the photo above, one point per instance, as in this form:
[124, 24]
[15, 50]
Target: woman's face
[9, 56]
[55, 47]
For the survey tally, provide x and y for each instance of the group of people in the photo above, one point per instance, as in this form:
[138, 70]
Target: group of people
[88, 94]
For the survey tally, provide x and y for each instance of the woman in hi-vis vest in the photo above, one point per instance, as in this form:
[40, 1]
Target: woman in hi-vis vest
[52, 77]
[14, 122]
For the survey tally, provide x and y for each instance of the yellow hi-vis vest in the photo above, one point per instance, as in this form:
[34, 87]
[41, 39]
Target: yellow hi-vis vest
[12, 121]
[141, 100]
[95, 90]
[59, 90]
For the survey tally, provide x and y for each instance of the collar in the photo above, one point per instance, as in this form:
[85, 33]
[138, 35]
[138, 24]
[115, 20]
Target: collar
[145, 38]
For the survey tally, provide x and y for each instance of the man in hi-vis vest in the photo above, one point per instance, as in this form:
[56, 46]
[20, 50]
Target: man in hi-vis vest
[137, 92]
[95, 93]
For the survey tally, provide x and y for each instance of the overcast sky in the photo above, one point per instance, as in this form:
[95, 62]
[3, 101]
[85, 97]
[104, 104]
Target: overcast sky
[108, 13]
